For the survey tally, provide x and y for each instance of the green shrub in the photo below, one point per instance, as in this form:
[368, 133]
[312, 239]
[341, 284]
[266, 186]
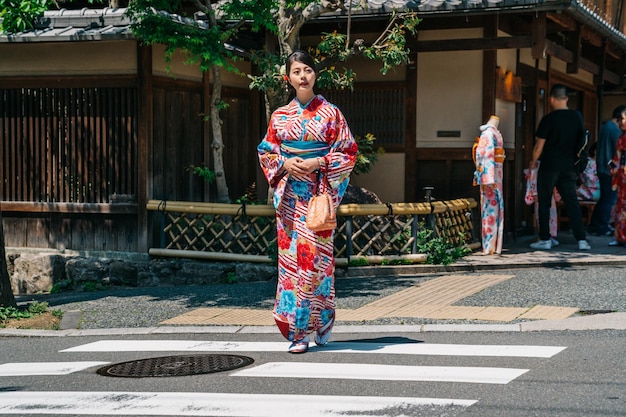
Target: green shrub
[37, 308]
[9, 313]
[438, 250]
[34, 309]
[358, 262]
[231, 277]
[203, 172]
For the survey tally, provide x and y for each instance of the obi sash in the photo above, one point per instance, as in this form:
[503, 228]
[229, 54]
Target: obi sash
[305, 149]
[499, 155]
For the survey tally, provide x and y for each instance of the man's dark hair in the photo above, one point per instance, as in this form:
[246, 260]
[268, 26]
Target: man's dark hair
[618, 111]
[558, 91]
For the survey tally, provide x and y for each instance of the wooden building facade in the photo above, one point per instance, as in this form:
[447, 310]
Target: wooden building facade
[93, 125]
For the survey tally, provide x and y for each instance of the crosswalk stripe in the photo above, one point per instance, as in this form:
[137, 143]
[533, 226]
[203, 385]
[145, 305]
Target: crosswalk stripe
[212, 404]
[335, 347]
[468, 374]
[45, 368]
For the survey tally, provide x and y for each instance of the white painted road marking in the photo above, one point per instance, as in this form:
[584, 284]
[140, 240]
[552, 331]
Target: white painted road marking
[335, 347]
[267, 405]
[212, 404]
[467, 374]
[44, 368]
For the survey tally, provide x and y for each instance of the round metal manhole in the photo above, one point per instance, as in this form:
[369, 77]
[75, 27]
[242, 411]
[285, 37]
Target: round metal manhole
[181, 365]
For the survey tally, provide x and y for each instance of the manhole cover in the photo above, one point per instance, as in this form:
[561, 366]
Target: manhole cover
[180, 365]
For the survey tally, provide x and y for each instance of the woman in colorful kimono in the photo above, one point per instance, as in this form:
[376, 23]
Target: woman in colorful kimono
[489, 161]
[308, 144]
[619, 184]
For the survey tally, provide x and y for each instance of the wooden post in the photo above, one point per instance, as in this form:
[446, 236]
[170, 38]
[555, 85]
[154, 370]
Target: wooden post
[145, 113]
[410, 131]
[489, 71]
[6, 293]
[538, 34]
[574, 44]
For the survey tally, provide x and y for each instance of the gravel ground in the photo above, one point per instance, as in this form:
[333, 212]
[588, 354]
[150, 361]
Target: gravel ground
[588, 288]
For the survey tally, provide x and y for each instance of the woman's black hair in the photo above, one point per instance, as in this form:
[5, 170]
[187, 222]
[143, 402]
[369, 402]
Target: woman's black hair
[302, 57]
[618, 112]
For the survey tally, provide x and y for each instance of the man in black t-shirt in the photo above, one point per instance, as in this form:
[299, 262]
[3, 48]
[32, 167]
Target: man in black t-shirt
[557, 137]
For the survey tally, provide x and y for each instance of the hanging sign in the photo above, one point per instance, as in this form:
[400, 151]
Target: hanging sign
[508, 86]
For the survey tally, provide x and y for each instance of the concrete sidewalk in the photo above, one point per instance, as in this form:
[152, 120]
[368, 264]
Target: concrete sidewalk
[435, 300]
[518, 254]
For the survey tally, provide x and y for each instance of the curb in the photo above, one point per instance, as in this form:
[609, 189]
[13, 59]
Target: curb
[475, 263]
[608, 321]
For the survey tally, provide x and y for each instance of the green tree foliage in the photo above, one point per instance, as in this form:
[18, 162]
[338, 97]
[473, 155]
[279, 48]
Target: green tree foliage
[332, 52]
[368, 154]
[206, 39]
[21, 15]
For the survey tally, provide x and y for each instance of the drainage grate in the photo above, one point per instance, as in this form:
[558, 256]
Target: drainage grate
[592, 312]
[181, 365]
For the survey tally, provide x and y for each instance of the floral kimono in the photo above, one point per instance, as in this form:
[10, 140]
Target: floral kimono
[489, 161]
[532, 198]
[589, 188]
[619, 184]
[305, 295]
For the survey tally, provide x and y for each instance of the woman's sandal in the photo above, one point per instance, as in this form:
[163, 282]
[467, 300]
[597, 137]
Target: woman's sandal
[323, 334]
[299, 346]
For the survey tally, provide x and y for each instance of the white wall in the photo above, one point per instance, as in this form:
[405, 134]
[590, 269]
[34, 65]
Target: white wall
[68, 58]
[505, 110]
[449, 92]
[97, 58]
[561, 66]
[179, 69]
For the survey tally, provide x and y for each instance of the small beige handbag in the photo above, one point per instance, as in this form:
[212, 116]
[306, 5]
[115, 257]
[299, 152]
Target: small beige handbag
[321, 214]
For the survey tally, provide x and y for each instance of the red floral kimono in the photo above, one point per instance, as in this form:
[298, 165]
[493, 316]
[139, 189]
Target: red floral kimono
[305, 296]
[619, 184]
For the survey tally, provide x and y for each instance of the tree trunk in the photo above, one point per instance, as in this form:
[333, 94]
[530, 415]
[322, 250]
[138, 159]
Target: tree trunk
[6, 293]
[218, 142]
[289, 21]
[274, 99]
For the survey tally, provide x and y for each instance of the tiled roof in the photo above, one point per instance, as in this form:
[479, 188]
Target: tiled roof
[108, 23]
[591, 16]
[76, 25]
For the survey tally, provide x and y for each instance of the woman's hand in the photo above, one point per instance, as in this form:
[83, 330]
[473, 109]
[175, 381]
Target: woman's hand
[299, 166]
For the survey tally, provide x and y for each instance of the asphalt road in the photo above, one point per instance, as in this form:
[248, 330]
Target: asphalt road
[582, 376]
[377, 370]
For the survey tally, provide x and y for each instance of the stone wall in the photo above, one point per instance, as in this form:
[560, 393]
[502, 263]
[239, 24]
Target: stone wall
[42, 271]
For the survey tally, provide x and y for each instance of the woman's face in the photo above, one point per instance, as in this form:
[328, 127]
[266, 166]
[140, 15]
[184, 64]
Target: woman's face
[302, 78]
